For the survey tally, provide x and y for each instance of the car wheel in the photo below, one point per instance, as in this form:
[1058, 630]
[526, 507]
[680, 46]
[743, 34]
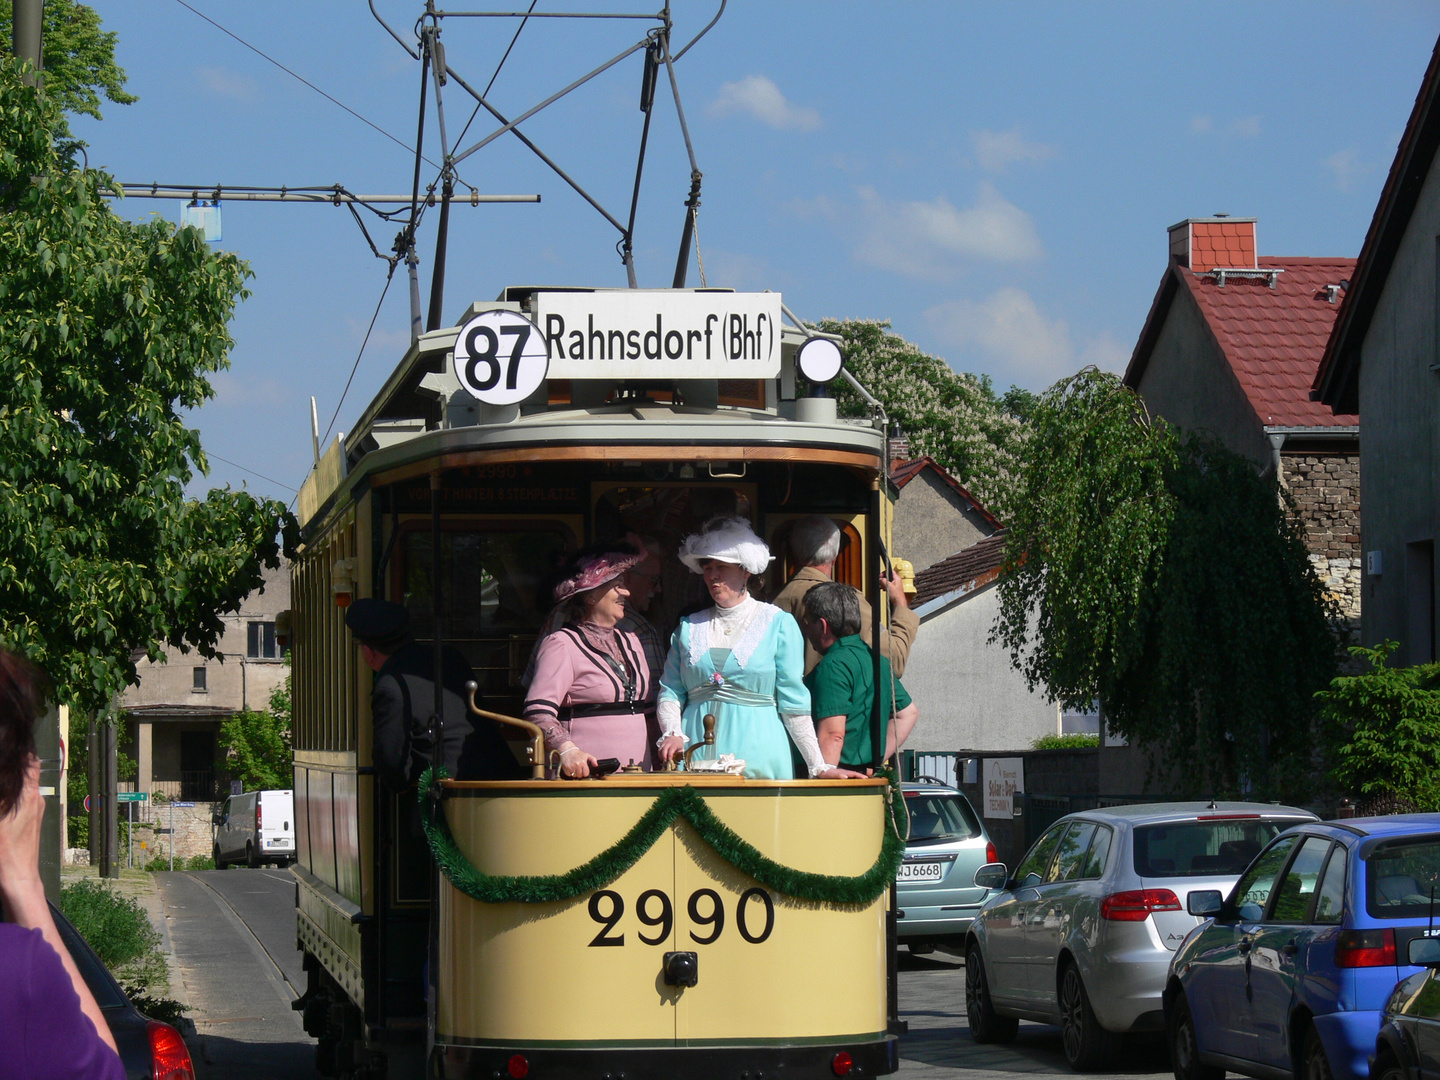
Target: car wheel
[250, 859]
[986, 1025]
[1387, 1068]
[1087, 1044]
[1185, 1047]
[1314, 1064]
[219, 862]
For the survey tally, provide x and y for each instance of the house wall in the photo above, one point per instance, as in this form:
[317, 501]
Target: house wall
[1326, 491]
[1190, 384]
[970, 698]
[232, 682]
[932, 521]
[1400, 411]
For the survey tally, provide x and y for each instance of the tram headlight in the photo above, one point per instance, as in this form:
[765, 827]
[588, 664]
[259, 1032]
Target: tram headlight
[682, 968]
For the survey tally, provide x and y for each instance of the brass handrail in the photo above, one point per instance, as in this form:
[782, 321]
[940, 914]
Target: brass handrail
[536, 747]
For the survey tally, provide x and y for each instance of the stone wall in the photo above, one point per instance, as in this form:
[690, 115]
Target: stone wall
[193, 833]
[1326, 490]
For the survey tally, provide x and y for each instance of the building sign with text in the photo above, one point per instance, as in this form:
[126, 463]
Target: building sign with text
[1004, 779]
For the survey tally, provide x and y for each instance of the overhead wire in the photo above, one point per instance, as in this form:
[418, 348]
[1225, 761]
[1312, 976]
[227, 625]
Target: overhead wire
[300, 78]
[389, 277]
[252, 472]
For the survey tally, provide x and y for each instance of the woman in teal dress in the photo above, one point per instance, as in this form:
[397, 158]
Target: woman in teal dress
[741, 660]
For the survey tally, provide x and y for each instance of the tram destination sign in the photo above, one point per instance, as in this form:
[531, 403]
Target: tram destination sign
[660, 334]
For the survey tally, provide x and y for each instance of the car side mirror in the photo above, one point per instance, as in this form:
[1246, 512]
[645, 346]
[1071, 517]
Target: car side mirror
[1205, 903]
[1423, 952]
[217, 818]
[991, 876]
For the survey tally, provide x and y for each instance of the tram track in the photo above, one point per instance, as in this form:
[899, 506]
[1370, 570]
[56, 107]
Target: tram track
[274, 973]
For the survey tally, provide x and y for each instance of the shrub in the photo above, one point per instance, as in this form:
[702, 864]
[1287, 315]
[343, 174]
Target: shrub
[1066, 742]
[119, 931]
[1385, 724]
[198, 862]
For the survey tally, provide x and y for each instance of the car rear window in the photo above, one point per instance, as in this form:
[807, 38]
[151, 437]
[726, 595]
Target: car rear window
[940, 816]
[1400, 876]
[1200, 848]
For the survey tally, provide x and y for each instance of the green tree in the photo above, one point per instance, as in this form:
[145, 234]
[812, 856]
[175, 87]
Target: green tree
[954, 418]
[257, 744]
[79, 58]
[1386, 728]
[1157, 572]
[108, 330]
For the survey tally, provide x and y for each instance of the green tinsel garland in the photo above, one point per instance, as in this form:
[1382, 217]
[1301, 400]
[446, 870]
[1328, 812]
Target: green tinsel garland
[626, 852]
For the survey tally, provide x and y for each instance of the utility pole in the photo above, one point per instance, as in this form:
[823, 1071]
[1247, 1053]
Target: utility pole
[26, 20]
[25, 43]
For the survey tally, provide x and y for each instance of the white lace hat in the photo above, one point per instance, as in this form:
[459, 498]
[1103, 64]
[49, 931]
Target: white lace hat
[728, 540]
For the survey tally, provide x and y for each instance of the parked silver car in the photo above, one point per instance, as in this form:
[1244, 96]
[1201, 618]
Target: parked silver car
[1083, 932]
[935, 885]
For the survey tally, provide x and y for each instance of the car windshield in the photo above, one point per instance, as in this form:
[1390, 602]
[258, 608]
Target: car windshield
[1205, 847]
[940, 816]
[1401, 876]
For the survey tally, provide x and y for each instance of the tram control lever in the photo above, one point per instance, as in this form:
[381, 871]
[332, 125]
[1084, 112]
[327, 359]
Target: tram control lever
[682, 968]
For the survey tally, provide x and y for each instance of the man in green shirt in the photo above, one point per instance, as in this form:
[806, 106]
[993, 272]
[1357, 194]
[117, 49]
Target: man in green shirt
[842, 686]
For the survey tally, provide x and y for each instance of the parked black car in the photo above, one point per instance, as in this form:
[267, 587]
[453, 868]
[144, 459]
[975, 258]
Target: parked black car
[149, 1049]
[1408, 1046]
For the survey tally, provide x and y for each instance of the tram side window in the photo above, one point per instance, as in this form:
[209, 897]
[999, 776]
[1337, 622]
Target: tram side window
[490, 599]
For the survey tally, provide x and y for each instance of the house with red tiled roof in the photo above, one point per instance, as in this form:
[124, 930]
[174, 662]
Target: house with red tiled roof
[1382, 360]
[970, 695]
[935, 514]
[1231, 345]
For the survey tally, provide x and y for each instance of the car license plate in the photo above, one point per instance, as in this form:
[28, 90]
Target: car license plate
[920, 871]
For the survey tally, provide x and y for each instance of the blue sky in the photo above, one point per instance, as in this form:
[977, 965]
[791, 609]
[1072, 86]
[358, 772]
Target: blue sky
[996, 180]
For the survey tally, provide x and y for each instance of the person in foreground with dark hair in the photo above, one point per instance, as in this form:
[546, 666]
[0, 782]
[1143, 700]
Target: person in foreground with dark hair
[50, 1024]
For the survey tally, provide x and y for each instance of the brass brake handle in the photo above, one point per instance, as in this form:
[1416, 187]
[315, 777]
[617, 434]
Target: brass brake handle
[536, 748]
[708, 740]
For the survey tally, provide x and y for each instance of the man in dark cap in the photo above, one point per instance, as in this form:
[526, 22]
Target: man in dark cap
[402, 702]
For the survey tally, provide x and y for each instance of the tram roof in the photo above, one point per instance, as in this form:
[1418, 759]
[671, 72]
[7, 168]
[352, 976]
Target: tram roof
[412, 424]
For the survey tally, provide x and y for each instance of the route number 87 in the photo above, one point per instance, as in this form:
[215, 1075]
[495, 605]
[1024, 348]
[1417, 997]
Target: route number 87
[705, 908]
[500, 357]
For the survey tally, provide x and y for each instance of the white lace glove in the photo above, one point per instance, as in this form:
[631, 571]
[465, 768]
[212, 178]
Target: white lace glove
[667, 711]
[802, 730]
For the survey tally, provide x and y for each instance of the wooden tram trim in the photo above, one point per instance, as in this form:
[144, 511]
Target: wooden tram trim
[591, 452]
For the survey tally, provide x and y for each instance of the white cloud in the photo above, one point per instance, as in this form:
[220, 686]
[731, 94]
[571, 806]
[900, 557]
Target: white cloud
[1346, 166]
[1201, 125]
[730, 269]
[997, 150]
[1246, 127]
[760, 98]
[228, 84]
[1030, 349]
[924, 238]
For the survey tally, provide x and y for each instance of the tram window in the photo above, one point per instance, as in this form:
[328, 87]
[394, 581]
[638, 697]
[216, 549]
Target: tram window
[490, 591]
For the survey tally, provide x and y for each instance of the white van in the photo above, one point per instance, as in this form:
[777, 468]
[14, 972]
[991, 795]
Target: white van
[256, 827]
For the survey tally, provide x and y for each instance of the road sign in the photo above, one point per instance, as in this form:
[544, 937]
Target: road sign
[87, 804]
[183, 805]
[132, 796]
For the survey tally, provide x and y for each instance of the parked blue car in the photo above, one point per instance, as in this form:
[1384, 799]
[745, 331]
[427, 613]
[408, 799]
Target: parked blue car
[1290, 976]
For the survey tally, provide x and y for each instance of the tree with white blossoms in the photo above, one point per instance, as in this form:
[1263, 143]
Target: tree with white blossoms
[953, 417]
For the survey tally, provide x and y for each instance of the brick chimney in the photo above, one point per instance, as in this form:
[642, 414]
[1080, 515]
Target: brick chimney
[899, 443]
[1219, 242]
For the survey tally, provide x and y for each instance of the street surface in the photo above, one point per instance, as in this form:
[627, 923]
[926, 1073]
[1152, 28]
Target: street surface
[233, 936]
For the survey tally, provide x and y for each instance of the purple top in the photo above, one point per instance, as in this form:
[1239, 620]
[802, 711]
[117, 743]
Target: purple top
[43, 1031]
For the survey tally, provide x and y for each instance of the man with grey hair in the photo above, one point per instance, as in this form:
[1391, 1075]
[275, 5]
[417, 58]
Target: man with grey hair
[815, 545]
[842, 686]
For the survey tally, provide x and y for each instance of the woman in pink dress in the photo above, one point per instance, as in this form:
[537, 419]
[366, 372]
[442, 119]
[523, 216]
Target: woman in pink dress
[591, 686]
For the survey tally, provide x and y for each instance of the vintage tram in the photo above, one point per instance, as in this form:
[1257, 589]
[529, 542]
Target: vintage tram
[643, 925]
